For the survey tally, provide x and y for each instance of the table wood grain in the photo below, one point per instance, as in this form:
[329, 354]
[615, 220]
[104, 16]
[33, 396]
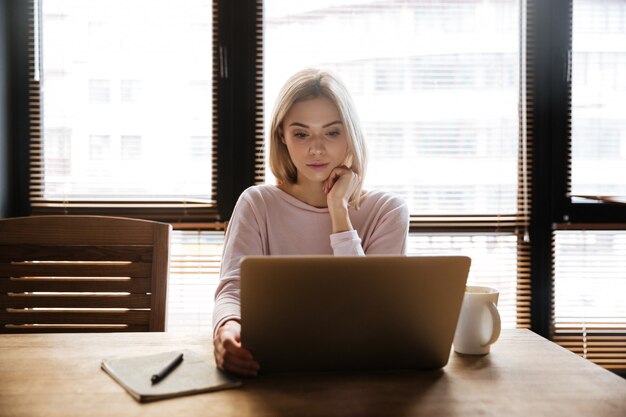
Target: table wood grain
[524, 375]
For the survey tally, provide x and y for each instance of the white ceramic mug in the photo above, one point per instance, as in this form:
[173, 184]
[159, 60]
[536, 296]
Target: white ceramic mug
[479, 322]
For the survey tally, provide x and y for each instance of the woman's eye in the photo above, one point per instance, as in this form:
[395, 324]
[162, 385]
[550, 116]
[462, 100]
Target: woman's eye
[300, 135]
[333, 133]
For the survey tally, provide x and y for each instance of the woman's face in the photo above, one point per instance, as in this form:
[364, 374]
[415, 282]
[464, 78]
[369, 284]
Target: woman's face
[315, 137]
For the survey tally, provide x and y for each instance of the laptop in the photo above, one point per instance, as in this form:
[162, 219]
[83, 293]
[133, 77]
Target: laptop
[335, 313]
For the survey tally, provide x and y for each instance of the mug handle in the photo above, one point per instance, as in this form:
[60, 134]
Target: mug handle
[495, 318]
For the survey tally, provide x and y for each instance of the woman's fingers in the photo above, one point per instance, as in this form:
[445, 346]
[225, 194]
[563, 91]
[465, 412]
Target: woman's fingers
[237, 355]
[243, 363]
[335, 175]
[240, 359]
[235, 349]
[239, 370]
[238, 365]
[236, 361]
[230, 355]
[341, 184]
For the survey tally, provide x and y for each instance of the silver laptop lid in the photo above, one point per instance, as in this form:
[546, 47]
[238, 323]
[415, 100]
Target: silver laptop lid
[315, 313]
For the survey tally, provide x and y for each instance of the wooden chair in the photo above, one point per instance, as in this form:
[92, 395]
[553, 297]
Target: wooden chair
[82, 274]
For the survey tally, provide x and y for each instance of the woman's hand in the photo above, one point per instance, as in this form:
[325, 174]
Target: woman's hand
[229, 354]
[339, 187]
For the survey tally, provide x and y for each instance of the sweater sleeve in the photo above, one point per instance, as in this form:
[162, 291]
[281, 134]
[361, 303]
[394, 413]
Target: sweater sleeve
[243, 238]
[389, 236]
[346, 244]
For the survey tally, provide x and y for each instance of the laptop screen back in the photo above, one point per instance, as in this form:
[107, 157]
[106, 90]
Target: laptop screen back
[316, 313]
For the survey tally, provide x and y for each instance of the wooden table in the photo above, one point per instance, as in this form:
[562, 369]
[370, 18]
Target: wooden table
[525, 375]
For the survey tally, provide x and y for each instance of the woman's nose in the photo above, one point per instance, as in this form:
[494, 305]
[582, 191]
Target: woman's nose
[317, 146]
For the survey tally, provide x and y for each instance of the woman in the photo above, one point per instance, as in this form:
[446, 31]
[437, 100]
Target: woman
[319, 158]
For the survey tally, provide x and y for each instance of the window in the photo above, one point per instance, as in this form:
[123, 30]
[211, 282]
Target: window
[124, 71]
[590, 222]
[437, 88]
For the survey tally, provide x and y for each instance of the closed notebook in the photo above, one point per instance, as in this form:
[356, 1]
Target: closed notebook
[194, 375]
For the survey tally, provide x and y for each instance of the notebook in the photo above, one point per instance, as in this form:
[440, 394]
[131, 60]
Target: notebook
[325, 313]
[194, 375]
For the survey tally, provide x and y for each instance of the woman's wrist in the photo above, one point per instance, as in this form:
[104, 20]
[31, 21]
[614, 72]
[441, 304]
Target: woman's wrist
[340, 218]
[228, 322]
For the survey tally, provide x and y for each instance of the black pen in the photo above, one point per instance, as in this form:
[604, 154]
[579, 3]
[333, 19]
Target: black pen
[156, 378]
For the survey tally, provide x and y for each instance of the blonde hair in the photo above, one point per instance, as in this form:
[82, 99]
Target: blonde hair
[305, 85]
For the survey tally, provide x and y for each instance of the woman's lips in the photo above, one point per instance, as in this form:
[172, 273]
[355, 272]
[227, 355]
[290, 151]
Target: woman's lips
[317, 166]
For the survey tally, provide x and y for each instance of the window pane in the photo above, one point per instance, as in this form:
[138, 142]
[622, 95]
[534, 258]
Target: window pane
[194, 275]
[123, 93]
[435, 83]
[599, 98]
[589, 276]
[589, 289]
[131, 147]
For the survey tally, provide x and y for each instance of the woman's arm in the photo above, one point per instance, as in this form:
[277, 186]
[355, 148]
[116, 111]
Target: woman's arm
[390, 231]
[389, 235]
[339, 187]
[228, 352]
[243, 238]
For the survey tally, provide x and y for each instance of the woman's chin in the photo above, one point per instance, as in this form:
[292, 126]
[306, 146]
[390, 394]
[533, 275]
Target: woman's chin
[316, 179]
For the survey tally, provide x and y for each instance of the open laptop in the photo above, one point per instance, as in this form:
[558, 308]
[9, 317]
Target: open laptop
[322, 313]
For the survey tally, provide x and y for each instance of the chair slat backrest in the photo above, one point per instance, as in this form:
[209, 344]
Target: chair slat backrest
[83, 274]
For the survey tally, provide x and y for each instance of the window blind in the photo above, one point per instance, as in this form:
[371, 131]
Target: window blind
[598, 120]
[589, 288]
[122, 119]
[260, 171]
[194, 276]
[437, 86]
